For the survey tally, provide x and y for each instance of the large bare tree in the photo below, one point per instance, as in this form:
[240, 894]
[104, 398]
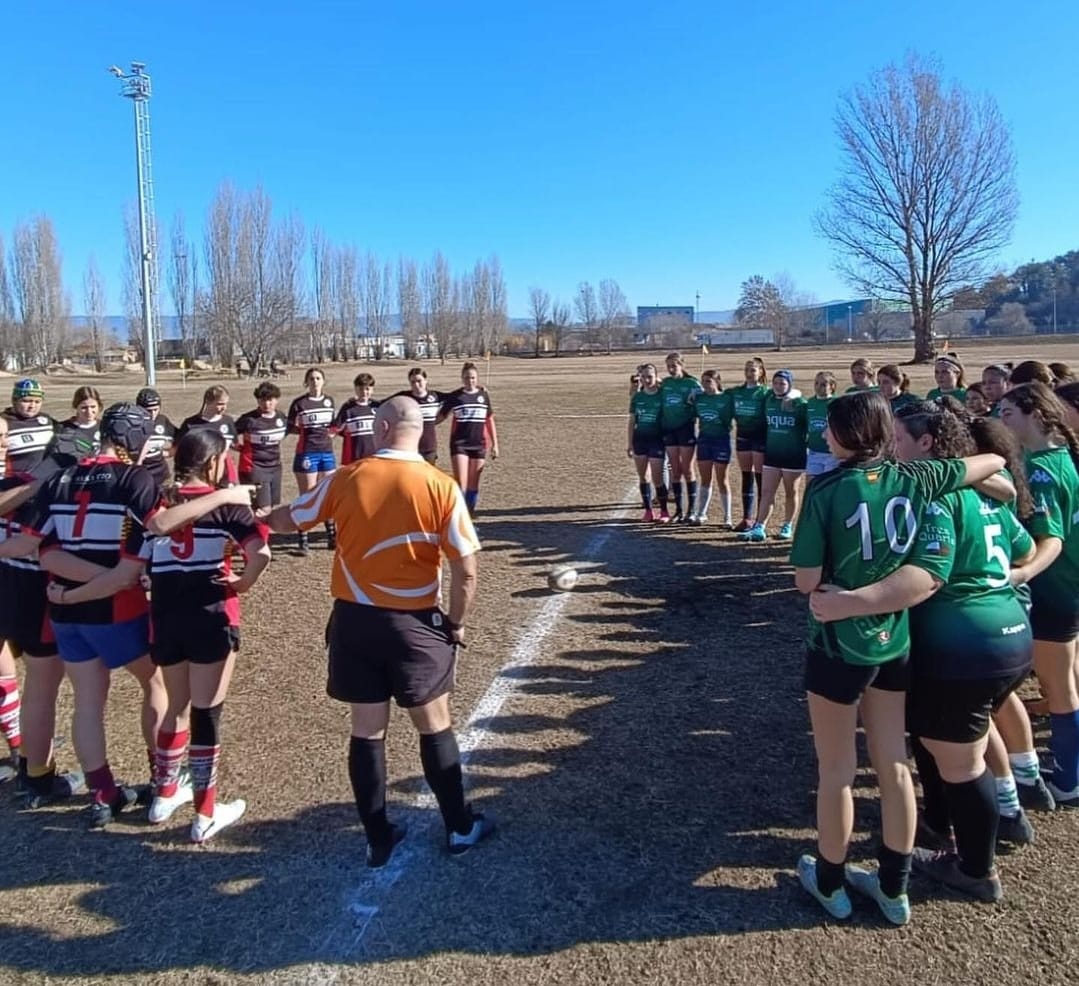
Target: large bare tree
[95, 306]
[539, 307]
[587, 309]
[926, 195]
[613, 312]
[377, 292]
[409, 304]
[761, 306]
[181, 284]
[37, 287]
[559, 323]
[8, 340]
[498, 323]
[440, 305]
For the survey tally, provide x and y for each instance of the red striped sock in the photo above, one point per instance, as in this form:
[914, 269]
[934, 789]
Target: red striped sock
[9, 712]
[204, 777]
[169, 759]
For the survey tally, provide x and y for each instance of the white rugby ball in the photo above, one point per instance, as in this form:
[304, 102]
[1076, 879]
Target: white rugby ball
[563, 578]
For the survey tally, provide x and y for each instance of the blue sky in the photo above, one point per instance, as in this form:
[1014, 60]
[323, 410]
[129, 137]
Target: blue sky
[675, 147]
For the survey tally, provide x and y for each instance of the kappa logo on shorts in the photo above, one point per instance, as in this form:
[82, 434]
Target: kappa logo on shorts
[1040, 476]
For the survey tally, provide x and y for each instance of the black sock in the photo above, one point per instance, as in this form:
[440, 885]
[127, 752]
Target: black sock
[975, 816]
[829, 876]
[676, 490]
[757, 477]
[367, 771]
[894, 873]
[661, 497]
[442, 768]
[934, 802]
[691, 496]
[646, 495]
[747, 494]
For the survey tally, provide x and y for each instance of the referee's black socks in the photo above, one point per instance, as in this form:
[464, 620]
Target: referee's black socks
[441, 761]
[367, 771]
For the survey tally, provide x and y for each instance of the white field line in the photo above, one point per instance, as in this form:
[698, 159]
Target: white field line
[363, 908]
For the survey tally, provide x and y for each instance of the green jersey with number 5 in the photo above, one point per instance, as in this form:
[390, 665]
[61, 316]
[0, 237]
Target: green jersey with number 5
[974, 626]
[858, 524]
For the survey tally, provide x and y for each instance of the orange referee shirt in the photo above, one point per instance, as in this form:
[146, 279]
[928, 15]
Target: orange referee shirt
[397, 516]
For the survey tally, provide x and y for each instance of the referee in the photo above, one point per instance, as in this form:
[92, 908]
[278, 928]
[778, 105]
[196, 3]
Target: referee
[388, 637]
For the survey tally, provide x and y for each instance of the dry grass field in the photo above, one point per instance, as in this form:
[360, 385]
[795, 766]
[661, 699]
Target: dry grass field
[643, 741]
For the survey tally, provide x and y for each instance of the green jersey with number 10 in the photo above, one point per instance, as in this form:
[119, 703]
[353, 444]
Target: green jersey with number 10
[858, 524]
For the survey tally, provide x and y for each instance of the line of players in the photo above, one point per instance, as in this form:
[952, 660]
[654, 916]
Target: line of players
[778, 432]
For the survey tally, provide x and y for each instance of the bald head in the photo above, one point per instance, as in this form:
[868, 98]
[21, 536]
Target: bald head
[399, 424]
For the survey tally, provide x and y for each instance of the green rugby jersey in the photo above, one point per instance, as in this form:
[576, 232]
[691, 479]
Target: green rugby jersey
[902, 400]
[647, 409]
[678, 394]
[816, 422]
[715, 412]
[994, 410]
[960, 394]
[786, 420]
[1054, 485]
[859, 524]
[862, 390]
[975, 625]
[749, 410]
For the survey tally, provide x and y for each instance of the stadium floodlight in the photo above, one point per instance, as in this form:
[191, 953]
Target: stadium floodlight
[136, 87]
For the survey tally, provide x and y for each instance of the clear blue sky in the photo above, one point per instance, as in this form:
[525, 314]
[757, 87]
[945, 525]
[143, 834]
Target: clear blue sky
[673, 146]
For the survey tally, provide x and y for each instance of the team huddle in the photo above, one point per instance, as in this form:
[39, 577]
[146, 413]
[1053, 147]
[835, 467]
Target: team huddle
[939, 546]
[126, 542]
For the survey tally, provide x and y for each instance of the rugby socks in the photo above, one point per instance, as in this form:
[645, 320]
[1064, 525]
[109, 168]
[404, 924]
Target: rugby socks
[204, 754]
[748, 499]
[830, 876]
[102, 785]
[894, 871]
[9, 714]
[331, 534]
[661, 498]
[706, 501]
[676, 491]
[975, 817]
[646, 495]
[367, 771]
[757, 478]
[169, 760]
[1007, 796]
[1064, 744]
[442, 768]
[934, 801]
[471, 499]
[691, 496]
[1026, 768]
[725, 502]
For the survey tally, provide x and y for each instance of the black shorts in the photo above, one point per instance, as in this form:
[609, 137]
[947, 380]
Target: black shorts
[268, 482]
[200, 637]
[838, 681]
[1055, 622]
[956, 710]
[652, 447]
[749, 444]
[375, 654]
[472, 451]
[681, 437]
[24, 612]
[714, 449]
[792, 461]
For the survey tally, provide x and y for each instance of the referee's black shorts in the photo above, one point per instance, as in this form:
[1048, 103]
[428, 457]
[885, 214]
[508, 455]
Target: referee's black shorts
[375, 654]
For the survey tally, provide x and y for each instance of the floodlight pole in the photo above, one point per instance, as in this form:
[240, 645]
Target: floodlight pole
[136, 87]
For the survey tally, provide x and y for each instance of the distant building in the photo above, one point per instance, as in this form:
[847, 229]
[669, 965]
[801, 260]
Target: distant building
[654, 318]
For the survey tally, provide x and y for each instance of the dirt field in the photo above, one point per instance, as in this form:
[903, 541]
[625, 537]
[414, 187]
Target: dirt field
[643, 741]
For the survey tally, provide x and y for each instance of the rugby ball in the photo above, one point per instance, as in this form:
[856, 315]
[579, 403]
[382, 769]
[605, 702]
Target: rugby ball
[563, 578]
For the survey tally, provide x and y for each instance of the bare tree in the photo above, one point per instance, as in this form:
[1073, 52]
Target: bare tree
[409, 304]
[41, 306]
[499, 316]
[8, 341]
[439, 305]
[926, 195]
[181, 257]
[346, 291]
[377, 291]
[94, 304]
[481, 315]
[761, 306]
[584, 303]
[559, 323]
[613, 311]
[539, 306]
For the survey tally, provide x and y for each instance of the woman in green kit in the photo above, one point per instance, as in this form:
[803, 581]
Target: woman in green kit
[715, 415]
[895, 386]
[749, 399]
[858, 525]
[679, 390]
[784, 457]
[819, 459]
[645, 441]
[951, 382]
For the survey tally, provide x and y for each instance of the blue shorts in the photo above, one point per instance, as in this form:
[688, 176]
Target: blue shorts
[714, 449]
[683, 437]
[650, 447]
[116, 644]
[749, 444]
[314, 462]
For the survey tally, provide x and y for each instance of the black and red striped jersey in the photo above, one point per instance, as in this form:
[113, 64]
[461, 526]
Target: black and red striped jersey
[157, 449]
[430, 404]
[261, 436]
[28, 440]
[469, 414]
[185, 564]
[79, 440]
[311, 418]
[355, 422]
[11, 525]
[97, 511]
[224, 426]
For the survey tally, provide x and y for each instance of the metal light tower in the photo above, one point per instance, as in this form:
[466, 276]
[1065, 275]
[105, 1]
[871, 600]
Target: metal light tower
[136, 87]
